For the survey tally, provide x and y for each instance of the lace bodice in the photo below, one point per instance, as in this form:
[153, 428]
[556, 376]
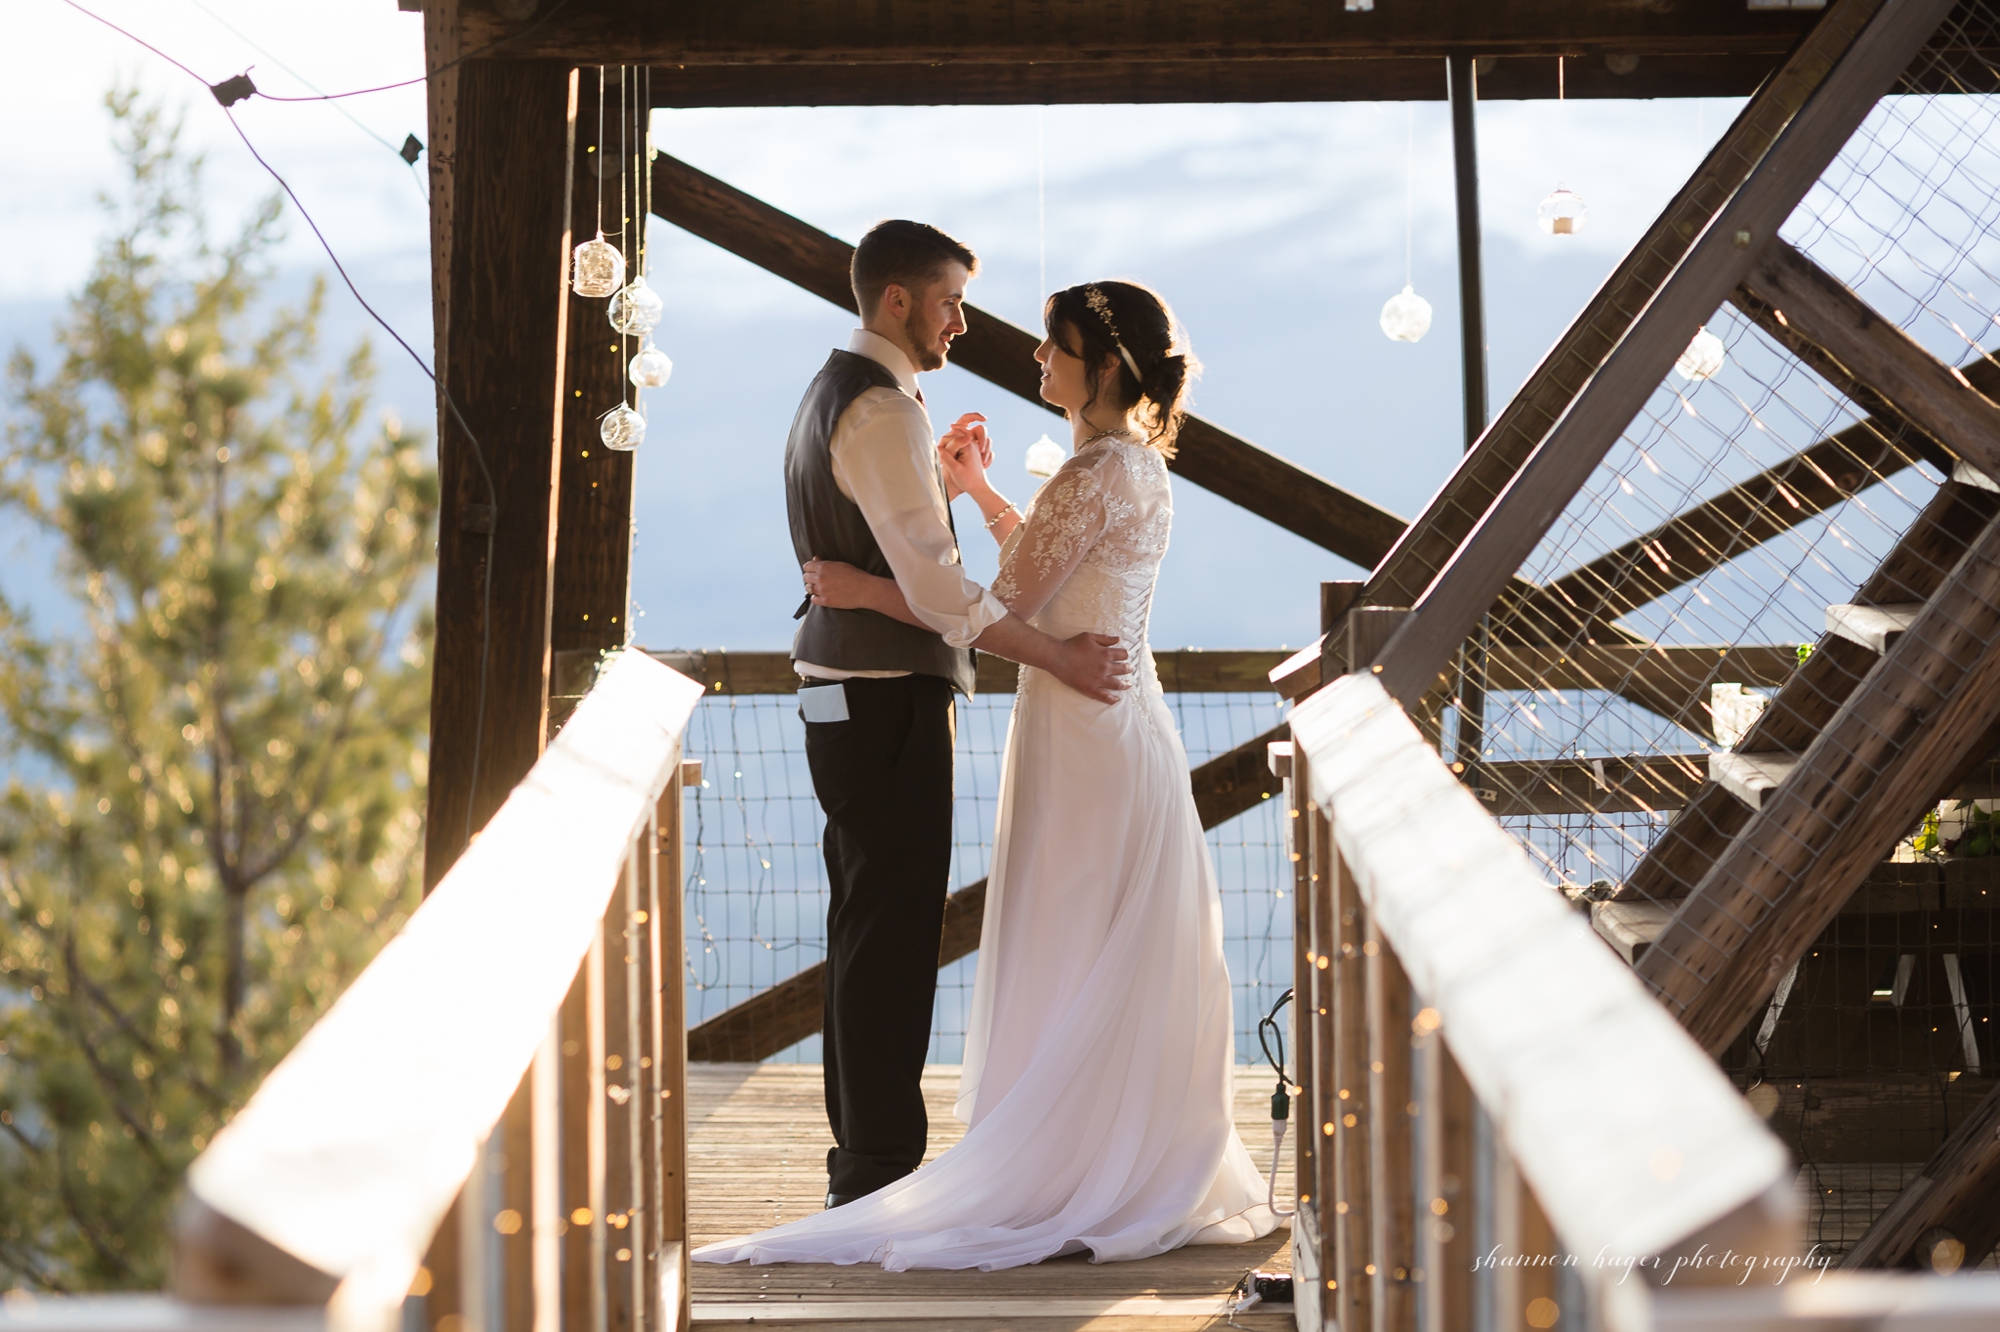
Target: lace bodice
[1089, 553]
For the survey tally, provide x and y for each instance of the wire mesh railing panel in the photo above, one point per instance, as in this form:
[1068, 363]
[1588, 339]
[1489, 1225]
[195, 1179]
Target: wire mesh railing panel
[1761, 644]
[756, 893]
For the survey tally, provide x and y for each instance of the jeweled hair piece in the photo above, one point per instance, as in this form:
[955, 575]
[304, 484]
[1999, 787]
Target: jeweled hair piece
[1100, 305]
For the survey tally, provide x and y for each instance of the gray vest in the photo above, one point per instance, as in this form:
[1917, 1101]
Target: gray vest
[829, 526]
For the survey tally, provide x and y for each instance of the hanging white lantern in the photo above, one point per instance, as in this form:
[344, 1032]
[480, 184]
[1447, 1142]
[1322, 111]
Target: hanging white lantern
[1702, 358]
[598, 269]
[1406, 316]
[636, 310]
[622, 429]
[1046, 457]
[1562, 212]
[650, 368]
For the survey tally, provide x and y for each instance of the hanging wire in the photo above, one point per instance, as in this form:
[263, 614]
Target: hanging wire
[598, 150]
[1409, 195]
[1041, 204]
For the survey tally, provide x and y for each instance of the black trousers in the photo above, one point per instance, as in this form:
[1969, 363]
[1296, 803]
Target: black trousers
[883, 777]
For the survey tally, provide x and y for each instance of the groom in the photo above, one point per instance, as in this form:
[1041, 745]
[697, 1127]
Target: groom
[863, 486]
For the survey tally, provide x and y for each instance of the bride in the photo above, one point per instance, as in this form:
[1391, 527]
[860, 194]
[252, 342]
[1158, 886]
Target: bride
[1100, 1051]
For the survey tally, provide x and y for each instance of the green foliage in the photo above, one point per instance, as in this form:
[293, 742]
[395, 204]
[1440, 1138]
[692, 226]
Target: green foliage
[211, 815]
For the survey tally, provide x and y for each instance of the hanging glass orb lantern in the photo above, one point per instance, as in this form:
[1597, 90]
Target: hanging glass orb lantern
[1562, 212]
[1702, 358]
[1406, 316]
[598, 269]
[650, 368]
[636, 310]
[622, 429]
[1046, 457]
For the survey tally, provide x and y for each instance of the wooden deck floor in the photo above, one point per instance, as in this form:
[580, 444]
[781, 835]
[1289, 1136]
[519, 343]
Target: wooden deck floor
[757, 1142]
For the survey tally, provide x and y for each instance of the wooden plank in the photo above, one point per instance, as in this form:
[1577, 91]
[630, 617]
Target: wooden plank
[1351, 1105]
[1450, 1171]
[1181, 671]
[1912, 571]
[919, 32]
[1632, 784]
[1958, 1192]
[351, 1150]
[1672, 681]
[1315, 1299]
[506, 277]
[974, 82]
[1861, 784]
[789, 1011]
[1875, 352]
[1535, 496]
[1486, 469]
[670, 1101]
[1738, 520]
[591, 572]
[1519, 990]
[1003, 354]
[1392, 1135]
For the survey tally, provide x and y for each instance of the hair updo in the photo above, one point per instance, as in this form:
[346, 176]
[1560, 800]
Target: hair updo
[1136, 318]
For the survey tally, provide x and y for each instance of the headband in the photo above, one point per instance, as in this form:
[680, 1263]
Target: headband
[1100, 305]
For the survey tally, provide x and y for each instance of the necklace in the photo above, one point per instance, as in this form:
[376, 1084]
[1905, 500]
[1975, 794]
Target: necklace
[1117, 432]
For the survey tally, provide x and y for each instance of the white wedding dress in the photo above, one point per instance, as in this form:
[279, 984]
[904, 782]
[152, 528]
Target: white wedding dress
[1099, 1057]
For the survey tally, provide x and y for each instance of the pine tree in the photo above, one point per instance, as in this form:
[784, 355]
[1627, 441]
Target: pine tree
[210, 818]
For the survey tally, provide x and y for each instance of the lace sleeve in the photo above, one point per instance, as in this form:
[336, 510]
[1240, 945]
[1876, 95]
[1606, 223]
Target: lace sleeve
[1063, 523]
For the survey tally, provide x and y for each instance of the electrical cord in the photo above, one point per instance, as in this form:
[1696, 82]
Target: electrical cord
[1281, 1098]
[227, 94]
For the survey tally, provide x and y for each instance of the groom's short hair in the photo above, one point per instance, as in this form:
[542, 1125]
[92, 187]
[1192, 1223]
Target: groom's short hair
[906, 253]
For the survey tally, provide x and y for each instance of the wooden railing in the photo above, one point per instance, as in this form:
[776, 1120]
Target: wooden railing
[1471, 1058]
[493, 1116]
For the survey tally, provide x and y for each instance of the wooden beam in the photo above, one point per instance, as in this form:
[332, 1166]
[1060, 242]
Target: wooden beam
[1003, 354]
[1806, 702]
[1872, 351]
[1711, 267]
[592, 576]
[1958, 1191]
[505, 276]
[1418, 78]
[1486, 469]
[921, 32]
[1631, 784]
[1861, 784]
[1224, 787]
[1740, 519]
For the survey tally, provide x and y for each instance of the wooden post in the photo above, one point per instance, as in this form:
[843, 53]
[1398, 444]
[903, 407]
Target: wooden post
[1327, 1185]
[516, 1185]
[574, 1220]
[1352, 1108]
[591, 579]
[1391, 1138]
[1536, 1305]
[498, 149]
[670, 1059]
[617, 1068]
[1445, 1220]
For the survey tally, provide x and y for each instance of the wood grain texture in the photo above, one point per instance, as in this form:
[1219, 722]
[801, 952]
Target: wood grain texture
[1860, 784]
[1570, 786]
[1874, 352]
[1003, 354]
[757, 1145]
[899, 32]
[592, 573]
[1711, 267]
[1958, 1190]
[1485, 470]
[504, 280]
[791, 1010]
[1808, 698]
[1406, 78]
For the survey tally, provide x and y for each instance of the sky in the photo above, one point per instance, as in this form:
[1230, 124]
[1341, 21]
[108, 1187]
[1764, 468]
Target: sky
[1276, 231]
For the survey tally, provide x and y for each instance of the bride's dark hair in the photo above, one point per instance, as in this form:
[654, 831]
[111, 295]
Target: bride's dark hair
[1094, 320]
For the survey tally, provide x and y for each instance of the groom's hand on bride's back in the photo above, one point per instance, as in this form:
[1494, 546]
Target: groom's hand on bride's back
[1094, 664]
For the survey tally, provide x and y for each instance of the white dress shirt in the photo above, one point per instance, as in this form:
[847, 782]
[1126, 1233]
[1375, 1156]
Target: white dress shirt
[885, 460]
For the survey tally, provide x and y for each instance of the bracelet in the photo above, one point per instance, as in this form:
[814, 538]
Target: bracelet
[1004, 511]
